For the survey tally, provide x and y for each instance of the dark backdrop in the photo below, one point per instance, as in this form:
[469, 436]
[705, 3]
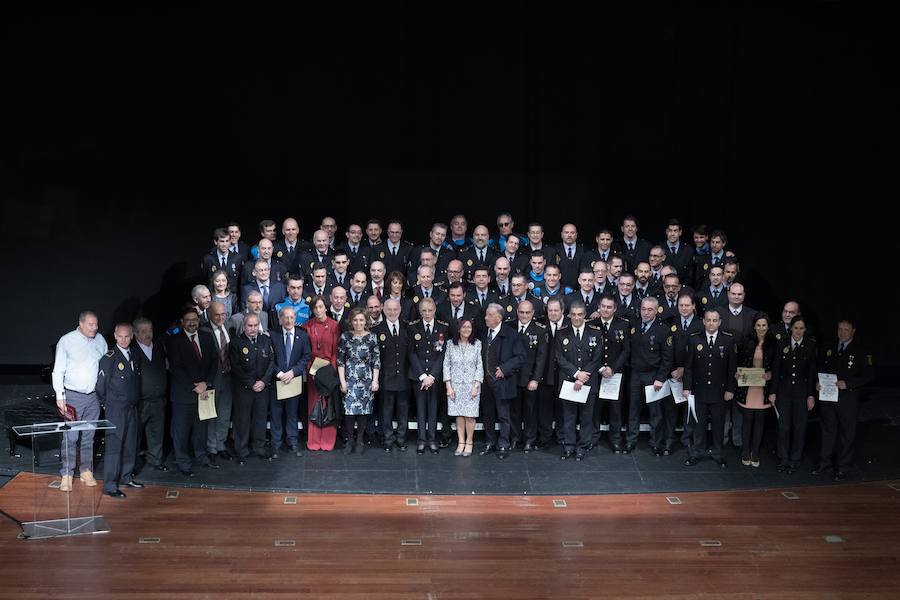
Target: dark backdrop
[128, 137]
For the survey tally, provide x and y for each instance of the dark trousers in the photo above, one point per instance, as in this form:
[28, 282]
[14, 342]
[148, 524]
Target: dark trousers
[792, 418]
[714, 412]
[426, 414]
[217, 429]
[662, 423]
[734, 418]
[373, 422]
[583, 414]
[636, 384]
[121, 445]
[188, 435]
[394, 405]
[754, 420]
[249, 418]
[524, 416]
[496, 410]
[838, 421]
[614, 409]
[687, 433]
[284, 421]
[446, 433]
[548, 398]
[153, 427]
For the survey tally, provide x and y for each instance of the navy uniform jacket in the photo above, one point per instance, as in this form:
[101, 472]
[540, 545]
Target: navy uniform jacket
[473, 296]
[469, 311]
[359, 260]
[298, 361]
[291, 260]
[251, 362]
[535, 340]
[470, 260]
[277, 293]
[309, 291]
[394, 352]
[706, 300]
[568, 267]
[510, 305]
[682, 261]
[119, 380]
[209, 266]
[667, 313]
[593, 255]
[709, 371]
[651, 352]
[426, 352]
[853, 365]
[641, 252]
[552, 366]
[506, 351]
[631, 311]
[437, 294]
[578, 295]
[794, 371]
[309, 260]
[616, 344]
[186, 369]
[682, 337]
[586, 356]
[400, 262]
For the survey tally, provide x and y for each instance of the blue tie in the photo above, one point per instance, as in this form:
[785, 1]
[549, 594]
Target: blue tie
[288, 346]
[265, 291]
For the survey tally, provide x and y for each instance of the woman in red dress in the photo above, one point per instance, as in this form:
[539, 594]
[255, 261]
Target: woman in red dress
[324, 334]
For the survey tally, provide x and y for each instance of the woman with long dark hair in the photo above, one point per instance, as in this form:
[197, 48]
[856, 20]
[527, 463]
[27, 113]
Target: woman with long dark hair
[758, 352]
[463, 375]
[323, 335]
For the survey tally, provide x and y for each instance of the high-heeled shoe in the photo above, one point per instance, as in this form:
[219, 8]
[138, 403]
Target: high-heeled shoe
[467, 449]
[459, 449]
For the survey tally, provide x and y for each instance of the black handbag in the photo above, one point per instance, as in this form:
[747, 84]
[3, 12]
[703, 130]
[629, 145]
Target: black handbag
[323, 413]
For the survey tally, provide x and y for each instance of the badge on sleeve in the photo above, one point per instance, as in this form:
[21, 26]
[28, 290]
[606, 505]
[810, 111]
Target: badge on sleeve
[674, 328]
[659, 309]
[214, 268]
[669, 341]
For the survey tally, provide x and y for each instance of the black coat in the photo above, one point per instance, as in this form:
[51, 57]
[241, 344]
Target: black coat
[709, 372]
[119, 379]
[251, 362]
[794, 371]
[853, 365]
[186, 369]
[426, 352]
[652, 351]
[506, 351]
[616, 344]
[535, 340]
[552, 367]
[394, 352]
[572, 356]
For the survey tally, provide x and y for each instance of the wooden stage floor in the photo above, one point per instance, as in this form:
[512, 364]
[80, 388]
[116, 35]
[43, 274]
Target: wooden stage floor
[829, 542]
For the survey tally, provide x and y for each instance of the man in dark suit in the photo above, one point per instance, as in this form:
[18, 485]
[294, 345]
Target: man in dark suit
[480, 293]
[287, 251]
[320, 254]
[428, 339]
[277, 271]
[616, 352]
[220, 258]
[358, 291]
[737, 319]
[549, 404]
[119, 391]
[319, 285]
[709, 376]
[585, 292]
[393, 384]
[426, 287]
[713, 294]
[217, 429]
[503, 353]
[680, 256]
[292, 352]
[579, 350]
[397, 251]
[154, 382]
[478, 254]
[236, 244]
[684, 325]
[627, 304]
[632, 248]
[510, 304]
[339, 308]
[193, 366]
[525, 405]
[272, 292]
[569, 256]
[252, 366]
[357, 251]
[846, 358]
[668, 299]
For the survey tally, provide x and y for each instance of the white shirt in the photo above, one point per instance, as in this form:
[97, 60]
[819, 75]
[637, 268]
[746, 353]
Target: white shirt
[428, 293]
[737, 310]
[567, 248]
[495, 331]
[77, 363]
[392, 325]
[148, 350]
[578, 331]
[713, 335]
[525, 325]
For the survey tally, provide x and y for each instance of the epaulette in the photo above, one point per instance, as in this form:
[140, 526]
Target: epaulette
[622, 319]
[697, 333]
[442, 322]
[541, 325]
[726, 333]
[562, 327]
[416, 321]
[110, 353]
[595, 327]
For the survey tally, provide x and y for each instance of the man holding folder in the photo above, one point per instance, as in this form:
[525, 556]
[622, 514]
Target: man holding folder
[292, 352]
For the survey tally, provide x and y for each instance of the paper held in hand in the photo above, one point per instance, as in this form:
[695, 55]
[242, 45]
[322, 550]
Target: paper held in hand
[317, 364]
[828, 391]
[283, 391]
[654, 395]
[747, 377]
[206, 405]
[677, 391]
[609, 388]
[569, 393]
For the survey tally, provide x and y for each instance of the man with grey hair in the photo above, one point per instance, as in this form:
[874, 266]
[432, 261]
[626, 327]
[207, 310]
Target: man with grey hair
[253, 305]
[75, 370]
[201, 297]
[503, 353]
[217, 428]
[154, 380]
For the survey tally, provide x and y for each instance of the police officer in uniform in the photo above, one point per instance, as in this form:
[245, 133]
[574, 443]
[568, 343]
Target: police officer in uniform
[684, 325]
[651, 361]
[393, 385]
[579, 350]
[119, 391]
[524, 407]
[852, 364]
[616, 352]
[252, 366]
[550, 405]
[510, 304]
[222, 259]
[428, 339]
[709, 376]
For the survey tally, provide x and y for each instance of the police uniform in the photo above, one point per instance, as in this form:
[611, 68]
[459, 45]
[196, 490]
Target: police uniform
[651, 360]
[682, 260]
[853, 365]
[543, 295]
[119, 391]
[793, 381]
[416, 294]
[524, 407]
[446, 313]
[708, 375]
[471, 259]
[310, 292]
[575, 355]
[426, 357]
[591, 304]
[628, 308]
[594, 254]
[510, 305]
[251, 361]
[569, 267]
[681, 337]
[360, 257]
[473, 297]
[289, 255]
[703, 263]
[395, 259]
[616, 352]
[310, 259]
[393, 382]
[549, 403]
[640, 252]
[336, 279]
[212, 263]
[708, 298]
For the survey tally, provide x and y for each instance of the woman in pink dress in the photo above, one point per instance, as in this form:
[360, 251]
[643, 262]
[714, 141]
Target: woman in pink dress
[323, 340]
[758, 352]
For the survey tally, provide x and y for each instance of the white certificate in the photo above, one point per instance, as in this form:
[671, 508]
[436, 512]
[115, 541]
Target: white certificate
[284, 391]
[609, 388]
[568, 392]
[206, 406]
[654, 395]
[677, 389]
[828, 391]
[692, 410]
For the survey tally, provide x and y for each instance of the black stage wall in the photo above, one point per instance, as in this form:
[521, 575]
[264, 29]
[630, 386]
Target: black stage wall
[127, 137]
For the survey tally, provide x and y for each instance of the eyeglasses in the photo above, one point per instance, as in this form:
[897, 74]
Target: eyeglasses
[504, 224]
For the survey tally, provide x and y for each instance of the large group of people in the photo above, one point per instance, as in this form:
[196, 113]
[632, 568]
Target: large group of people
[546, 344]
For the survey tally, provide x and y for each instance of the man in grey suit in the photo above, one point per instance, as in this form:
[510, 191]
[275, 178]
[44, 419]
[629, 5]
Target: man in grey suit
[254, 304]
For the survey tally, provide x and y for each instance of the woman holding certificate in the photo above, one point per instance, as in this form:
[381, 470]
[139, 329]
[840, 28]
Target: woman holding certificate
[358, 363]
[323, 335]
[757, 354]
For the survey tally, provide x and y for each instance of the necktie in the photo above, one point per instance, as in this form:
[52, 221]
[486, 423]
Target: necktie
[490, 336]
[290, 248]
[521, 328]
[265, 291]
[427, 330]
[553, 328]
[355, 298]
[394, 251]
[378, 291]
[353, 251]
[426, 294]
[394, 327]
[196, 345]
[624, 302]
[630, 246]
[481, 255]
[222, 260]
[605, 327]
[456, 313]
[482, 299]
[684, 324]
[641, 292]
[716, 294]
[222, 353]
[578, 335]
[841, 348]
[671, 303]
[794, 346]
[716, 260]
[288, 346]
[604, 256]
[643, 327]
[569, 253]
[710, 341]
[502, 290]
[318, 291]
[672, 248]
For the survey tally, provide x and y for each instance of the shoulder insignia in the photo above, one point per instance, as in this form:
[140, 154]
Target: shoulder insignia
[558, 259]
[728, 333]
[541, 325]
[416, 321]
[869, 359]
[110, 353]
[416, 299]
[595, 328]
[703, 300]
[668, 340]
[696, 333]
[442, 322]
[214, 268]
[674, 328]
[659, 310]
[632, 331]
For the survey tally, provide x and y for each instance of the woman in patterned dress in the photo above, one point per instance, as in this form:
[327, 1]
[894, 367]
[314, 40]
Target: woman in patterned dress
[463, 374]
[323, 340]
[358, 363]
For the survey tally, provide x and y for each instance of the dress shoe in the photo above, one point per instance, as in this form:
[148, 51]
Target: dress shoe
[296, 450]
[527, 448]
[839, 475]
[420, 449]
[88, 478]
[617, 449]
[667, 452]
[591, 446]
[401, 445]
[211, 463]
[691, 461]
[486, 450]
[654, 449]
[754, 462]
[433, 448]
[821, 468]
[567, 455]
[503, 453]
[242, 461]
[579, 457]
[723, 464]
[629, 449]
[161, 467]
[115, 494]
[188, 474]
[657, 452]
[263, 455]
[274, 456]
[444, 443]
[134, 484]
[224, 455]
[745, 462]
[66, 484]
[387, 448]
